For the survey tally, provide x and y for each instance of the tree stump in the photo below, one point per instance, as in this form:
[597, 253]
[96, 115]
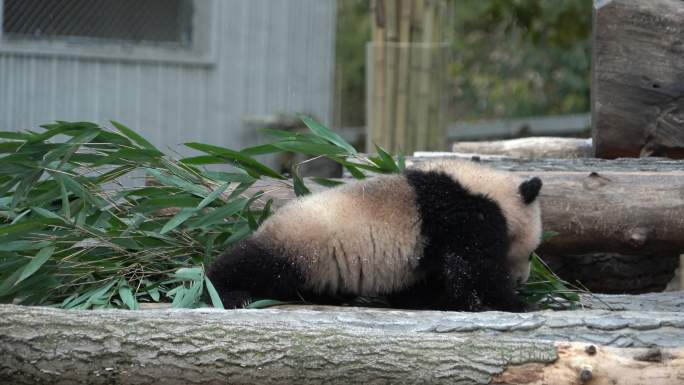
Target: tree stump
[637, 90]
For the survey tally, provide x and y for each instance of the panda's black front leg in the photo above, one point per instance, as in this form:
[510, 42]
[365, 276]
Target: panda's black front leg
[478, 282]
[460, 284]
[236, 299]
[498, 289]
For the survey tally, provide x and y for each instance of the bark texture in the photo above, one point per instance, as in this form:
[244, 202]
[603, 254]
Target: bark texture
[660, 302]
[632, 213]
[338, 345]
[617, 273]
[531, 148]
[637, 92]
[660, 165]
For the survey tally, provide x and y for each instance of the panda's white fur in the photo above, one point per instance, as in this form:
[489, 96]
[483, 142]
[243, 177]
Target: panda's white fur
[368, 238]
[362, 237]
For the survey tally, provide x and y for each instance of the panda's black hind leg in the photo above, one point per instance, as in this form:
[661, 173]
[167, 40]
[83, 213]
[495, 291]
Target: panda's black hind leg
[249, 271]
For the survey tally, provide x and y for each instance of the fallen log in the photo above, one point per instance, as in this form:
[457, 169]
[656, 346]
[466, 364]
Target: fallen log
[551, 164]
[531, 148]
[659, 302]
[615, 273]
[341, 345]
[636, 88]
[629, 213]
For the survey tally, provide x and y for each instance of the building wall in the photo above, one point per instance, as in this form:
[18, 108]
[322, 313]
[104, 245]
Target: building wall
[266, 57]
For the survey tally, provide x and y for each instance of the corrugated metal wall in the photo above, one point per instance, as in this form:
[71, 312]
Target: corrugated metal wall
[270, 56]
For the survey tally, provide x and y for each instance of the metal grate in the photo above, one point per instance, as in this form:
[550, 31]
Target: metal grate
[130, 20]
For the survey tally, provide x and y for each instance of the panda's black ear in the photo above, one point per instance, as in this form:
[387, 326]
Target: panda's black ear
[529, 189]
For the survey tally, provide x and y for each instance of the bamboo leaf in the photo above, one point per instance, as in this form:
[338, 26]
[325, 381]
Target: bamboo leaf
[229, 177]
[203, 159]
[299, 188]
[264, 303]
[7, 284]
[260, 150]
[213, 294]
[355, 172]
[189, 274]
[266, 212]
[154, 294]
[325, 133]
[309, 148]
[242, 160]
[213, 195]
[239, 233]
[387, 163]
[178, 219]
[326, 182]
[77, 188]
[46, 213]
[401, 161]
[27, 226]
[142, 142]
[220, 214]
[35, 264]
[127, 297]
[172, 180]
[23, 245]
[178, 296]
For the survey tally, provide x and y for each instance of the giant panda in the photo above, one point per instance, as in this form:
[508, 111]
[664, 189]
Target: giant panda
[443, 235]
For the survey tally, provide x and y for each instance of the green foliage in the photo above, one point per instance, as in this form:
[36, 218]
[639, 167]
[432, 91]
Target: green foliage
[509, 58]
[74, 235]
[544, 287]
[353, 31]
[523, 57]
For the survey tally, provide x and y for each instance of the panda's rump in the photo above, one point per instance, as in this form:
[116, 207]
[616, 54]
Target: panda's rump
[362, 238]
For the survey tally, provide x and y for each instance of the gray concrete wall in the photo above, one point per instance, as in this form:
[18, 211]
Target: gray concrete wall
[256, 58]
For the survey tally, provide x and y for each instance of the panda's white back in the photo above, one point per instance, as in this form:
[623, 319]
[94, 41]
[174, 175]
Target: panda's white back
[361, 238]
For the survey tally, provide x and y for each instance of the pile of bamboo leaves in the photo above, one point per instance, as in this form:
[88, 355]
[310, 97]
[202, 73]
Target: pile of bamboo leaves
[96, 218]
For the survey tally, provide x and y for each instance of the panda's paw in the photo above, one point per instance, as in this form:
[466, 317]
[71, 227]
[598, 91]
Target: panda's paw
[236, 299]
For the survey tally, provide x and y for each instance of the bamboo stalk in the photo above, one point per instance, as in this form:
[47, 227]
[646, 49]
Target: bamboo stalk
[402, 142]
[391, 37]
[377, 50]
[422, 102]
[417, 31]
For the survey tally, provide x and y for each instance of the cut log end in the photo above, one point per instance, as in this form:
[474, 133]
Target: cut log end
[576, 364]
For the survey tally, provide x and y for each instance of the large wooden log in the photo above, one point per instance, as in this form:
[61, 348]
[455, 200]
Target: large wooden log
[637, 91]
[340, 345]
[627, 213]
[659, 302]
[616, 273]
[532, 148]
[633, 165]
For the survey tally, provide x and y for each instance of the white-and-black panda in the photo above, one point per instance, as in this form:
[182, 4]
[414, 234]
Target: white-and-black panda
[449, 235]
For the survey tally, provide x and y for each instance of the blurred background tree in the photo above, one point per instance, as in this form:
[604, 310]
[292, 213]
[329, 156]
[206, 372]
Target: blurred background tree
[511, 58]
[353, 31]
